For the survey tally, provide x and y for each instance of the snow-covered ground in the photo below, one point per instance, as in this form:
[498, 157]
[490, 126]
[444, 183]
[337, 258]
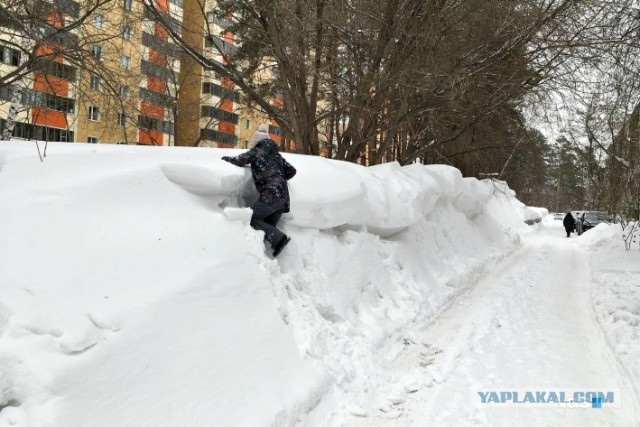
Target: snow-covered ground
[530, 323]
[134, 293]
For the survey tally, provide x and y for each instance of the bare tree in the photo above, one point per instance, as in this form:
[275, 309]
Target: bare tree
[384, 77]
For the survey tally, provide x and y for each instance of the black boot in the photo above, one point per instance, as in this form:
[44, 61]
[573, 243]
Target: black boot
[280, 245]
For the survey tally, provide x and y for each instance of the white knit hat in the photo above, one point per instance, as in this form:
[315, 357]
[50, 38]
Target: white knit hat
[261, 133]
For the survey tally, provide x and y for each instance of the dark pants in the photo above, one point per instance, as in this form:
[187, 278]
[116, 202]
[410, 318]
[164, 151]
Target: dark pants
[266, 218]
[568, 230]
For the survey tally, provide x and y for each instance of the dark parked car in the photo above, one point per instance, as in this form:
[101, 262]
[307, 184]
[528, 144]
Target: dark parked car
[590, 219]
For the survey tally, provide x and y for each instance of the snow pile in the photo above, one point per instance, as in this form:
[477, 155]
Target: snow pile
[534, 215]
[134, 292]
[616, 292]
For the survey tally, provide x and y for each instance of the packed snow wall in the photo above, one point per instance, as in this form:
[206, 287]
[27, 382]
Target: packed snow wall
[134, 292]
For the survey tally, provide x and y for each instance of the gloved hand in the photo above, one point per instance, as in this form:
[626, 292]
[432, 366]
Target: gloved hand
[226, 159]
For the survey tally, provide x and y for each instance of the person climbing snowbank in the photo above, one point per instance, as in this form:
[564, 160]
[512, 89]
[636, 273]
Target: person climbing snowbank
[270, 173]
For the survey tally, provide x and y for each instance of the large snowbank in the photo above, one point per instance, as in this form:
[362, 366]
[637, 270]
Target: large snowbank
[133, 291]
[615, 292]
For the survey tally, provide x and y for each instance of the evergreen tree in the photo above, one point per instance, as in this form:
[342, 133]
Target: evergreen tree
[567, 177]
[527, 170]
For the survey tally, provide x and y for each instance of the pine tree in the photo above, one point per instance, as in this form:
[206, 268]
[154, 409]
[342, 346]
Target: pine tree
[567, 177]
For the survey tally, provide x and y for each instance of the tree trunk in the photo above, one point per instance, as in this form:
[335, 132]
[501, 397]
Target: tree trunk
[10, 123]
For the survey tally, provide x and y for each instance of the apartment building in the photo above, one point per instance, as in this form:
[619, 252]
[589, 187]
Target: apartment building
[222, 119]
[141, 89]
[131, 100]
[124, 94]
[44, 97]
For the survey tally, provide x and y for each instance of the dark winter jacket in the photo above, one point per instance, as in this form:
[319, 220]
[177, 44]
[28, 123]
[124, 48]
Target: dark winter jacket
[569, 222]
[270, 173]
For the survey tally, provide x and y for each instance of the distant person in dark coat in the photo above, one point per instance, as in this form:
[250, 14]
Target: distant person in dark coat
[569, 223]
[270, 173]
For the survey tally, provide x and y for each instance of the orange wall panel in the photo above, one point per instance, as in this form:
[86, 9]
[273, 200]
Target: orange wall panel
[162, 6]
[49, 118]
[49, 50]
[228, 128]
[228, 37]
[155, 57]
[51, 84]
[156, 85]
[226, 105]
[150, 138]
[161, 32]
[56, 19]
[226, 83]
[153, 111]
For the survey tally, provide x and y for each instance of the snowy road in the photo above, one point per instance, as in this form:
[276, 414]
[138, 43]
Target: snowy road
[528, 324]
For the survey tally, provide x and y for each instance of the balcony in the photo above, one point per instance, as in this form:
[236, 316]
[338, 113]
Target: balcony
[36, 99]
[219, 114]
[149, 124]
[161, 46]
[171, 22]
[223, 23]
[66, 7]
[156, 98]
[52, 68]
[220, 92]
[220, 45]
[54, 35]
[216, 136]
[153, 70]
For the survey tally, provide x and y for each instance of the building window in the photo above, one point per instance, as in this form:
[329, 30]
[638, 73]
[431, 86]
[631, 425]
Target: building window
[246, 144]
[64, 135]
[92, 140]
[126, 32]
[124, 91]
[10, 56]
[122, 119]
[212, 18]
[274, 130]
[96, 50]
[16, 55]
[94, 113]
[95, 82]
[127, 4]
[125, 61]
[98, 21]
[51, 103]
[247, 124]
